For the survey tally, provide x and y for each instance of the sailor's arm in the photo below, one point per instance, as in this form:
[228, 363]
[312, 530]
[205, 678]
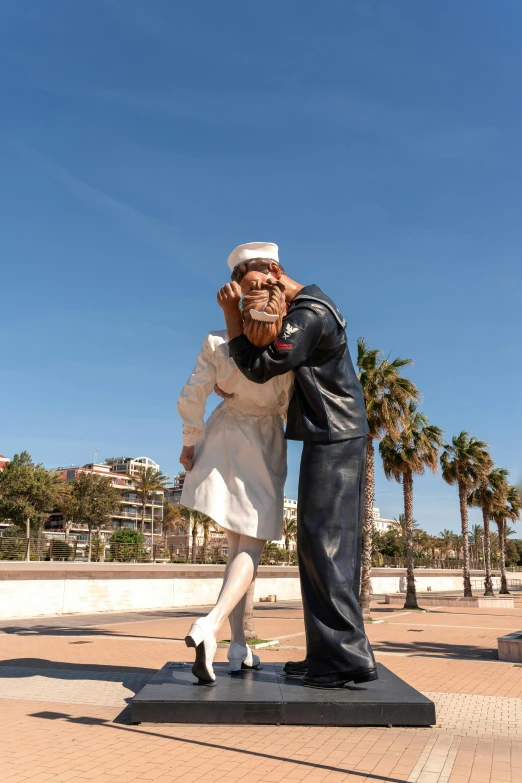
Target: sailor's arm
[299, 336]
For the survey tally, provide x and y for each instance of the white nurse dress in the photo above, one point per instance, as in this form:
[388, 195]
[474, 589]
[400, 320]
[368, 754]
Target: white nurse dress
[239, 467]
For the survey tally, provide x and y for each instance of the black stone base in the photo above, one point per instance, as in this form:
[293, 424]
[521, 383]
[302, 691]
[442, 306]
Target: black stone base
[265, 696]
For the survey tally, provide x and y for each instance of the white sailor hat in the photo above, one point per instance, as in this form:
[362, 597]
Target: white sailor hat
[252, 250]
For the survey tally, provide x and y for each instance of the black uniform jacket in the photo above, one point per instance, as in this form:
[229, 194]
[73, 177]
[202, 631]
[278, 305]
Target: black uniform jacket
[327, 403]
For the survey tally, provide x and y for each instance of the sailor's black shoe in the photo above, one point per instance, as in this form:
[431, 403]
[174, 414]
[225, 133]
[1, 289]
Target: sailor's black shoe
[340, 679]
[295, 668]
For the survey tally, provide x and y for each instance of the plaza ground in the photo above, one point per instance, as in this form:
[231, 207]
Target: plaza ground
[65, 684]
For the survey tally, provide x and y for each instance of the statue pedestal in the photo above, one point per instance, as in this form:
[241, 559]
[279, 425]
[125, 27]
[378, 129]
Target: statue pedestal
[267, 697]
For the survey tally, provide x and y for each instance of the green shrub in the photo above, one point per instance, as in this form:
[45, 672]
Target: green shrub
[61, 551]
[123, 546]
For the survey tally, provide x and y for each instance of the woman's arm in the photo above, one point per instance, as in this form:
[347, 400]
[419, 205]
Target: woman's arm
[192, 402]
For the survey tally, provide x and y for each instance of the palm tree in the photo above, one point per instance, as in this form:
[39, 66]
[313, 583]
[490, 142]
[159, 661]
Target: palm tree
[172, 516]
[489, 495]
[458, 545]
[248, 617]
[446, 539]
[510, 509]
[463, 461]
[387, 395]
[477, 534]
[147, 481]
[197, 520]
[416, 449]
[400, 525]
[289, 531]
[208, 526]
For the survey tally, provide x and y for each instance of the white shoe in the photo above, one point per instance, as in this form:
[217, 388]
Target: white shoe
[201, 636]
[240, 657]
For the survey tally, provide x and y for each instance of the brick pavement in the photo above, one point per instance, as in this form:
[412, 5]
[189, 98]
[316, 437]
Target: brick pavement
[64, 687]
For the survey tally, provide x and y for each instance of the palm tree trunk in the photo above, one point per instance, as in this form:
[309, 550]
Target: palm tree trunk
[287, 547]
[488, 582]
[28, 536]
[143, 509]
[248, 618]
[206, 535]
[101, 547]
[367, 547]
[502, 547]
[411, 593]
[194, 541]
[463, 500]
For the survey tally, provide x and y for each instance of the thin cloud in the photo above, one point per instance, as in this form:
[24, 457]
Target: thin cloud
[153, 229]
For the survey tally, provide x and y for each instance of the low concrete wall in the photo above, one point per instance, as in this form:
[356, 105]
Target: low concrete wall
[39, 589]
[510, 647]
[477, 602]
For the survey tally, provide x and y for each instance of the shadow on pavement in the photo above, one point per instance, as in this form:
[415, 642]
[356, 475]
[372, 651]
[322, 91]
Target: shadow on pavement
[127, 675]
[89, 721]
[438, 650]
[60, 630]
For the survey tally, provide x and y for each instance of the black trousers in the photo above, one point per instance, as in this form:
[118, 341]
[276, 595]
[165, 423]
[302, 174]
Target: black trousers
[329, 528]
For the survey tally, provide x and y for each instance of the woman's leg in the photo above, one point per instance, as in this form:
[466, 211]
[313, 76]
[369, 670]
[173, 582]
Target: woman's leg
[238, 577]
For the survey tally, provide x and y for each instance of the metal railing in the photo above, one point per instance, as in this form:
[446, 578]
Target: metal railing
[382, 561]
[49, 549]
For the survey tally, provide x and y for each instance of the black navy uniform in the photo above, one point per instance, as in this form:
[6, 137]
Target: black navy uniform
[326, 412]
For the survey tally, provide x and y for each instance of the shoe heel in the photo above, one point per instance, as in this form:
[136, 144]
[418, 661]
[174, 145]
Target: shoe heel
[369, 677]
[235, 664]
[194, 636]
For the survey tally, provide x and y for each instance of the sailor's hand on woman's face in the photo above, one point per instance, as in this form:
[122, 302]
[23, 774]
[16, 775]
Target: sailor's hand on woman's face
[229, 297]
[187, 457]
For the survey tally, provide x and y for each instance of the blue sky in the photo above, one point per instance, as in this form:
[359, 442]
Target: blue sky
[378, 143]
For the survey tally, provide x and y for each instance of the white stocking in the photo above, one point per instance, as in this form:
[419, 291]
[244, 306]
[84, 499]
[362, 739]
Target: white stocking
[243, 557]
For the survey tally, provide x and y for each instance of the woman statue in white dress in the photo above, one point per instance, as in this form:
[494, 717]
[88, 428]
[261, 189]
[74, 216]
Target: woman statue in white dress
[236, 469]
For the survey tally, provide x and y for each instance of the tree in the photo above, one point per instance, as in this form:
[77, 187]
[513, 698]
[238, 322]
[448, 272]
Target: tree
[147, 481]
[95, 500]
[248, 616]
[125, 544]
[28, 494]
[390, 543]
[446, 540]
[66, 504]
[172, 518]
[387, 396]
[513, 551]
[463, 462]
[209, 526]
[197, 520]
[509, 509]
[289, 531]
[458, 544]
[401, 525]
[489, 495]
[414, 450]
[477, 534]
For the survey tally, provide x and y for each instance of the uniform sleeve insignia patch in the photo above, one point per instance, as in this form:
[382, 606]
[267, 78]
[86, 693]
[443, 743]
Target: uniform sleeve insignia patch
[288, 331]
[281, 346]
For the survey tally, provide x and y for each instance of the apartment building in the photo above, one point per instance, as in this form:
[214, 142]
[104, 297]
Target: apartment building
[173, 493]
[290, 512]
[130, 511]
[130, 466]
[380, 524]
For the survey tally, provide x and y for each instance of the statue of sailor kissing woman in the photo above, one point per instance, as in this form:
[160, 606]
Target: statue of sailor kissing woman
[236, 468]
